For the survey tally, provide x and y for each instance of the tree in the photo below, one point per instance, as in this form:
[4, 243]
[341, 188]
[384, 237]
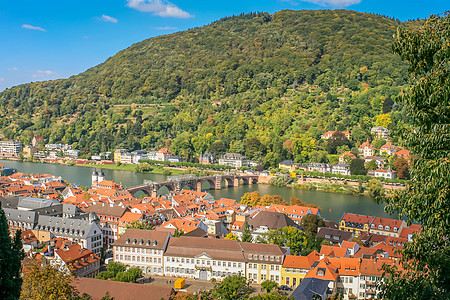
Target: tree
[387, 105]
[288, 236]
[11, 254]
[402, 167]
[267, 200]
[269, 285]
[178, 233]
[231, 236]
[296, 201]
[232, 288]
[372, 165]
[269, 296]
[311, 223]
[251, 199]
[383, 120]
[246, 234]
[338, 139]
[357, 167]
[375, 188]
[425, 260]
[46, 282]
[147, 225]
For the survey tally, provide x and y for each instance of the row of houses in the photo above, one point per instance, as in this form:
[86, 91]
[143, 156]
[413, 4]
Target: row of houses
[335, 269]
[163, 154]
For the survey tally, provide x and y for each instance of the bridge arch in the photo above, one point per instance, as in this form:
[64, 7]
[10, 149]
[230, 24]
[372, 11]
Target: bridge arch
[212, 184]
[229, 182]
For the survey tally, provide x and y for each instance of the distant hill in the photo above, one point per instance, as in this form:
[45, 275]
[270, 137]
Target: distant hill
[242, 77]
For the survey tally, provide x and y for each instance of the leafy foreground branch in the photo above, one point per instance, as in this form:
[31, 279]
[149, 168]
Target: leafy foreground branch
[426, 260]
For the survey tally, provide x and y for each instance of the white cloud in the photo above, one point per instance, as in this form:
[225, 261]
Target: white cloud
[331, 3]
[1, 78]
[26, 26]
[13, 69]
[108, 19]
[44, 73]
[162, 8]
[166, 28]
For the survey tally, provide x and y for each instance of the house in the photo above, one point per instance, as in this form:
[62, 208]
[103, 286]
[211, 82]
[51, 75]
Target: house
[333, 251]
[388, 174]
[288, 165]
[29, 240]
[387, 226]
[329, 134]
[319, 282]
[174, 158]
[319, 167]
[380, 132]
[346, 157]
[264, 261]
[234, 160]
[355, 223]
[347, 283]
[162, 154]
[294, 212]
[10, 148]
[126, 219]
[264, 221]
[203, 258]
[371, 277]
[334, 236]
[36, 140]
[143, 249]
[75, 259]
[378, 160]
[118, 155]
[109, 216]
[343, 169]
[388, 149]
[366, 149]
[206, 159]
[296, 267]
[404, 153]
[138, 155]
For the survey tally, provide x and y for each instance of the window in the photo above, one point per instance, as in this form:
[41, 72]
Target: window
[250, 256]
[277, 278]
[277, 268]
[288, 281]
[350, 280]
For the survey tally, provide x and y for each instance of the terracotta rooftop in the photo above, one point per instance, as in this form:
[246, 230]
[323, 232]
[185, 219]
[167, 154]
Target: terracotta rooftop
[97, 289]
[141, 238]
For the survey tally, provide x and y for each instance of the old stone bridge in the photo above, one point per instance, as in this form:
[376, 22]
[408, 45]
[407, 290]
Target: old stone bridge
[176, 183]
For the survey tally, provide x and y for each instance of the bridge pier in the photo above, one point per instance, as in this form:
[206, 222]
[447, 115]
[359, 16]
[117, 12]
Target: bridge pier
[235, 182]
[153, 193]
[199, 186]
[217, 184]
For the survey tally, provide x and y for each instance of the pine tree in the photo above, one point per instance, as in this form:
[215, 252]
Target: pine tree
[11, 255]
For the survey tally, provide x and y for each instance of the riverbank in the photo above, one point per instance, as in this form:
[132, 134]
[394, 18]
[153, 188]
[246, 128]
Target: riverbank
[132, 168]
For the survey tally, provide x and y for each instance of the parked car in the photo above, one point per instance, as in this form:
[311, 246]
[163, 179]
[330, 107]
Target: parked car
[285, 288]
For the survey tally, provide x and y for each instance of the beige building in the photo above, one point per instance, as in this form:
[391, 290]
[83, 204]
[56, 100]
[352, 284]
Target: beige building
[143, 249]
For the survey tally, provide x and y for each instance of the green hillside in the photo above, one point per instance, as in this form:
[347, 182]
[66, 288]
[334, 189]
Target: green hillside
[258, 84]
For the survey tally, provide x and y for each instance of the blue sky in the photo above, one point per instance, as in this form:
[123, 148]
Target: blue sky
[51, 39]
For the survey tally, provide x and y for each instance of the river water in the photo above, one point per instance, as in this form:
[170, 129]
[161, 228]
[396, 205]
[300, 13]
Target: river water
[333, 205]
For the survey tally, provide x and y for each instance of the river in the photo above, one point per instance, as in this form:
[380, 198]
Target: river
[333, 205]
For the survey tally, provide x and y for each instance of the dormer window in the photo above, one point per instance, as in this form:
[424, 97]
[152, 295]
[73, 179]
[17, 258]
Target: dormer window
[155, 242]
[395, 229]
[149, 242]
[250, 256]
[134, 241]
[127, 241]
[386, 228]
[380, 227]
[372, 226]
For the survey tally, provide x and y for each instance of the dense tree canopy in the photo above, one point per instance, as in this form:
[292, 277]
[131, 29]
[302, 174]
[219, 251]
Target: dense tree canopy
[273, 83]
[426, 260]
[11, 254]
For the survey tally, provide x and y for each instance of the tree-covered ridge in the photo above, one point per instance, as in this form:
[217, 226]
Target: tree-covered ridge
[256, 77]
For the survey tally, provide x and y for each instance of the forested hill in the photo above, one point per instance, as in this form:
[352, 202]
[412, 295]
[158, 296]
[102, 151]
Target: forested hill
[242, 77]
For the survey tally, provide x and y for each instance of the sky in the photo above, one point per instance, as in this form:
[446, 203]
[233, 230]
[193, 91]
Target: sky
[49, 39]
